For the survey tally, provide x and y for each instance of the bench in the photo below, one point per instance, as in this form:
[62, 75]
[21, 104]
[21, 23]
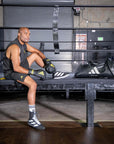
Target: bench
[90, 86]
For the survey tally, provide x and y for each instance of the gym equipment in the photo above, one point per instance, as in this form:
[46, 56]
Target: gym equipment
[110, 64]
[55, 28]
[49, 67]
[39, 73]
[91, 70]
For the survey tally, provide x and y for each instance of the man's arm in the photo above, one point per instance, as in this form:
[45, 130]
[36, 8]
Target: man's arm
[49, 67]
[34, 50]
[15, 58]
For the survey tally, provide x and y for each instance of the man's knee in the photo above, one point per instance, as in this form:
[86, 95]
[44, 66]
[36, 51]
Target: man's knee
[35, 55]
[33, 86]
[30, 83]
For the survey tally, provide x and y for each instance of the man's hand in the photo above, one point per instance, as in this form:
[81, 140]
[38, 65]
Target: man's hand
[39, 73]
[49, 67]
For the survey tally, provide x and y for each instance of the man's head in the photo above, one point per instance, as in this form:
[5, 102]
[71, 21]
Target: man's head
[23, 35]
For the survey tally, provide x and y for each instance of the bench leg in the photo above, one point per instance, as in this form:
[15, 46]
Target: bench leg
[90, 96]
[90, 113]
[67, 93]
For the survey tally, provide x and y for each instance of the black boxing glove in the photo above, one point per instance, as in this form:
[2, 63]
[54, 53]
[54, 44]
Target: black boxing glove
[39, 73]
[49, 67]
[46, 61]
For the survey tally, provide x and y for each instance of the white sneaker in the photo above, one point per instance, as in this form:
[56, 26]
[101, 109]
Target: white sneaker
[60, 75]
[34, 123]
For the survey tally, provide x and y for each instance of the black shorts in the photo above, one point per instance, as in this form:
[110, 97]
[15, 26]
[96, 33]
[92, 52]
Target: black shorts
[18, 76]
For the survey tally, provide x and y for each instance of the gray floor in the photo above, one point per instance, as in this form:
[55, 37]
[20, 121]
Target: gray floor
[53, 109]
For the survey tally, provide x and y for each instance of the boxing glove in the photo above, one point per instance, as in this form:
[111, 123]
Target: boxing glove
[46, 61]
[39, 73]
[49, 67]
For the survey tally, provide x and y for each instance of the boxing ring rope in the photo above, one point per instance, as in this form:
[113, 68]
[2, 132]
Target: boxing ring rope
[60, 5]
[59, 28]
[68, 50]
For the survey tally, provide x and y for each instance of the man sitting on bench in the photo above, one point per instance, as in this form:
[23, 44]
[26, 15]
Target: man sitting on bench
[16, 64]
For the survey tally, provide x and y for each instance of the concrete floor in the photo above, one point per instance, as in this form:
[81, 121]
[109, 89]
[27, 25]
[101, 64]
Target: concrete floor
[51, 108]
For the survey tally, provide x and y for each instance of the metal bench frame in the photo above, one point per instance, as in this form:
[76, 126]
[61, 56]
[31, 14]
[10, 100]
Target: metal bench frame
[90, 86]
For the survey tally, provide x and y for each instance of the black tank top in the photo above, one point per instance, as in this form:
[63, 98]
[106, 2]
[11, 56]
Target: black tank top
[7, 63]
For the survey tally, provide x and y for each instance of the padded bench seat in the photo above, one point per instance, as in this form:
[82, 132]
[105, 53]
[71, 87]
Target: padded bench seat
[61, 84]
[7, 82]
[74, 83]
